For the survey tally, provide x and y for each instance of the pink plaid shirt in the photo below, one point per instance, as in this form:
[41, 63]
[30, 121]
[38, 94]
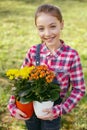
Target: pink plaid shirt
[65, 62]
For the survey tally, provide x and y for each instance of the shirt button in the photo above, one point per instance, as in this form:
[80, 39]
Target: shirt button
[48, 61]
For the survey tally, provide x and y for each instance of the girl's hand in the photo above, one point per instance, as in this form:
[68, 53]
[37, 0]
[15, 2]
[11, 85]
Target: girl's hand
[49, 115]
[15, 112]
[20, 115]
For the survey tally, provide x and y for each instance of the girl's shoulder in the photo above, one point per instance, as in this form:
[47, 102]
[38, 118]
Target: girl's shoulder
[33, 48]
[39, 46]
[70, 49]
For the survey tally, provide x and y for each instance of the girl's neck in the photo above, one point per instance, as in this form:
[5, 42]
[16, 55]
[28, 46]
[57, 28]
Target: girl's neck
[53, 48]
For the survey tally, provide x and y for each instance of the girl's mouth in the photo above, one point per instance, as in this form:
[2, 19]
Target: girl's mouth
[49, 39]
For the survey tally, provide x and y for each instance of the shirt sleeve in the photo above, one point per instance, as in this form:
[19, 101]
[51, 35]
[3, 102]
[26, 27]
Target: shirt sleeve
[12, 106]
[78, 89]
[27, 60]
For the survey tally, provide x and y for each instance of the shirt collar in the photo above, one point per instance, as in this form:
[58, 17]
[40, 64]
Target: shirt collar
[57, 51]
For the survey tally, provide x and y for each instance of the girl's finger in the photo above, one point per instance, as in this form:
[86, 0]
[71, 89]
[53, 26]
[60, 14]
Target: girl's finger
[21, 113]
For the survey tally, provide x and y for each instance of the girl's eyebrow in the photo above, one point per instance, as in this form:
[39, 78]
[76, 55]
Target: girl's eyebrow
[48, 25]
[39, 25]
[52, 23]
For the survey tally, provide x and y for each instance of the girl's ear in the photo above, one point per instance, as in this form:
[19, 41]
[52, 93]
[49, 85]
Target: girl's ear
[62, 24]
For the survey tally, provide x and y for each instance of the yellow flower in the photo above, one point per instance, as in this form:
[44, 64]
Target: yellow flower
[11, 77]
[24, 72]
[12, 72]
[19, 73]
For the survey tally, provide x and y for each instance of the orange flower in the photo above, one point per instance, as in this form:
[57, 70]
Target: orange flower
[40, 72]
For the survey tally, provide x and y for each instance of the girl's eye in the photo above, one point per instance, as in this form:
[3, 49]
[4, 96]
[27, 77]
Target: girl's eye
[53, 26]
[40, 29]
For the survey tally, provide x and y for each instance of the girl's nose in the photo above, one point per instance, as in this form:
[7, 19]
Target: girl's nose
[47, 32]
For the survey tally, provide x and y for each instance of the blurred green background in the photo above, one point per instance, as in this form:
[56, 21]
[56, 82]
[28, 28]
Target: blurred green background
[18, 33]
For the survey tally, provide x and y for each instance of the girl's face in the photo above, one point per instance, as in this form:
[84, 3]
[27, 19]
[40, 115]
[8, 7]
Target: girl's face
[49, 29]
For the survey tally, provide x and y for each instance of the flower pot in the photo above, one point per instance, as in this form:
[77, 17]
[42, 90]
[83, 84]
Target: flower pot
[26, 108]
[40, 106]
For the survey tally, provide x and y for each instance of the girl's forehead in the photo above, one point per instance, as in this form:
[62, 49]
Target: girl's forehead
[47, 15]
[48, 18]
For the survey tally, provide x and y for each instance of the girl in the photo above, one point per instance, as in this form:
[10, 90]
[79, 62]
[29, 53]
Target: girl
[60, 58]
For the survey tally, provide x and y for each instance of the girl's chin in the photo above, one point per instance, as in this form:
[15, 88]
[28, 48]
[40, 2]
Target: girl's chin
[50, 44]
[49, 41]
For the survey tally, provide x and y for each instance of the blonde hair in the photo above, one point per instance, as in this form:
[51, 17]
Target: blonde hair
[50, 9]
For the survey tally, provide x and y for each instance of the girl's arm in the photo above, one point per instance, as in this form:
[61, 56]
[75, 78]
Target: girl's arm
[78, 89]
[15, 112]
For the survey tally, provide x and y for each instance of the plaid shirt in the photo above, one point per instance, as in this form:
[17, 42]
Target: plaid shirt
[65, 62]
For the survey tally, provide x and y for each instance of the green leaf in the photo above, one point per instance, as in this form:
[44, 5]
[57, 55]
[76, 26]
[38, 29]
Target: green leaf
[24, 93]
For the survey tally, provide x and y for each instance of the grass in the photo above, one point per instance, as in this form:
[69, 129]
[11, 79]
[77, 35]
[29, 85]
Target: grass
[18, 33]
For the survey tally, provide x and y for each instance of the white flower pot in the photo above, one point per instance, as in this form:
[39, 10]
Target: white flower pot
[40, 106]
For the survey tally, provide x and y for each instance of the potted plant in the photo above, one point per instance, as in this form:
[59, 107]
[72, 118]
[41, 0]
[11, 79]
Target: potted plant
[34, 84]
[44, 89]
[21, 88]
